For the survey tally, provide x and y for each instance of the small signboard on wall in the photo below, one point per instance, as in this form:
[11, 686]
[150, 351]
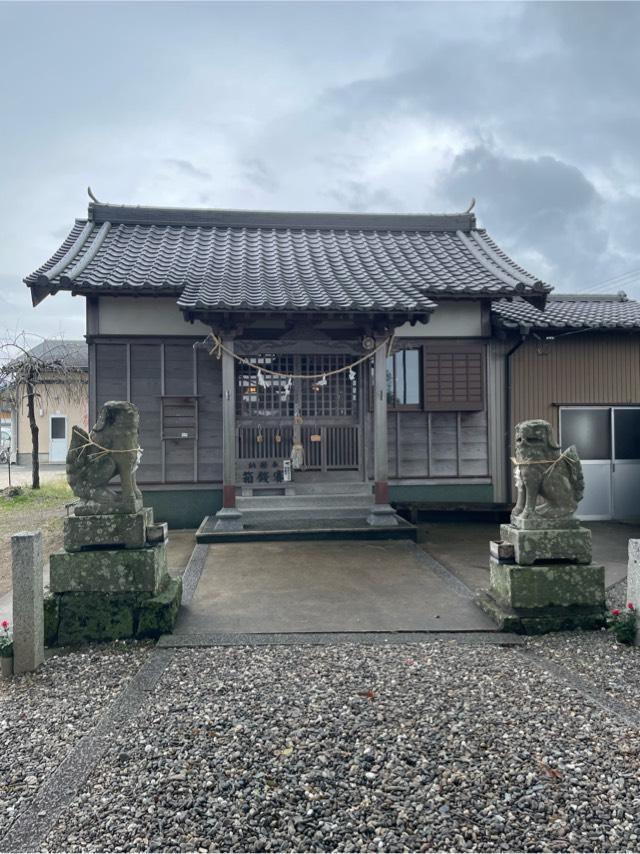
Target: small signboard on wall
[264, 472]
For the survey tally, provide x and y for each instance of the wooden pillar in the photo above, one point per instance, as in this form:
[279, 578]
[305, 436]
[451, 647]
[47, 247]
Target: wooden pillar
[380, 450]
[229, 518]
[381, 513]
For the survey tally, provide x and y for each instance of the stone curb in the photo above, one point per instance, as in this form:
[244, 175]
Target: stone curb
[31, 827]
[193, 571]
[599, 698]
[213, 639]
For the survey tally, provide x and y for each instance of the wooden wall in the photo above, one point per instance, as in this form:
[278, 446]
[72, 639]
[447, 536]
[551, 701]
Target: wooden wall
[438, 444]
[148, 372]
[583, 368]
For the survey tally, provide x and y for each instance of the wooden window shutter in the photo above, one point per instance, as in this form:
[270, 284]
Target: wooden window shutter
[453, 377]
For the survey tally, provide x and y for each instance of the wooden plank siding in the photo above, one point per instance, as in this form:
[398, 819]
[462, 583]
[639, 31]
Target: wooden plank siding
[586, 368]
[438, 444]
[177, 390]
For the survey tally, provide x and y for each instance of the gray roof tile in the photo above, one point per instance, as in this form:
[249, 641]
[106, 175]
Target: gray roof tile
[277, 260]
[570, 311]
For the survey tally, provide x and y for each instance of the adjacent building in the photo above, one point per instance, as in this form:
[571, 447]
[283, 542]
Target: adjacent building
[61, 401]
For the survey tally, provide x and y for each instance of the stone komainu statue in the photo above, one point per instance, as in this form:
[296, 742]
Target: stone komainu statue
[550, 484]
[95, 458]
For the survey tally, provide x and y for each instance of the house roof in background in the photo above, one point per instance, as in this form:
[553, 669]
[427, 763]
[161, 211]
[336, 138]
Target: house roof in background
[73, 354]
[570, 311]
[271, 260]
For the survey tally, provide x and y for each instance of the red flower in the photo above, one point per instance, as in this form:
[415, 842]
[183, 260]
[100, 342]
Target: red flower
[616, 612]
[5, 624]
[630, 606]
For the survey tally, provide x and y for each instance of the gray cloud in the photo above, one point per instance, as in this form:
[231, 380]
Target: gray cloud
[187, 169]
[531, 107]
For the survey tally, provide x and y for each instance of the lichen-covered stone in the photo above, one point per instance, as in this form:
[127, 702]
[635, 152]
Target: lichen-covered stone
[91, 617]
[126, 530]
[550, 483]
[111, 449]
[51, 604]
[572, 545]
[109, 571]
[547, 585]
[157, 616]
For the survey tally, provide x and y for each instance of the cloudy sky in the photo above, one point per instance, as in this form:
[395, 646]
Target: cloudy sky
[532, 108]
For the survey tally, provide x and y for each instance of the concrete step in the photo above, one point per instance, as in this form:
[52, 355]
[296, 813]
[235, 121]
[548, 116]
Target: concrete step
[303, 502]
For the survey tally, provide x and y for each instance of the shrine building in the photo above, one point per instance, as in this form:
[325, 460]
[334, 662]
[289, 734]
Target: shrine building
[305, 370]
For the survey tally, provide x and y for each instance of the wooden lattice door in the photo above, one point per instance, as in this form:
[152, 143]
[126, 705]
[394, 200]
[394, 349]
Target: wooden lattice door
[324, 415]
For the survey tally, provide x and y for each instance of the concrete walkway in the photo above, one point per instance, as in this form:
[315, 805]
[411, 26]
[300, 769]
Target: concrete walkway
[366, 586]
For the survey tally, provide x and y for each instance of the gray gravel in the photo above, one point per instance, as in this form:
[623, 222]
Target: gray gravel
[43, 714]
[428, 746]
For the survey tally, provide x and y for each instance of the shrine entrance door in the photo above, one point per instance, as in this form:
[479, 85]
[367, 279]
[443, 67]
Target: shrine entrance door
[276, 416]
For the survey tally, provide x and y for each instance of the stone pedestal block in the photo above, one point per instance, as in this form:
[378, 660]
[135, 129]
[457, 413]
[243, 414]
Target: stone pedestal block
[572, 545]
[382, 515]
[125, 530]
[157, 533]
[535, 522]
[109, 571]
[545, 597]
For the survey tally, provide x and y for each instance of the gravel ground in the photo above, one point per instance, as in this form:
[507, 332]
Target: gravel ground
[598, 659]
[429, 746]
[42, 716]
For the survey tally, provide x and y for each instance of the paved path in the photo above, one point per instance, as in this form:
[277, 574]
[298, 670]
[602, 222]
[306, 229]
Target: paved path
[382, 586]
[21, 475]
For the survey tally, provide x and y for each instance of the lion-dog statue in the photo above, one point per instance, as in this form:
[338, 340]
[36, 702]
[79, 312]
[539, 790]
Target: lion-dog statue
[550, 484]
[95, 458]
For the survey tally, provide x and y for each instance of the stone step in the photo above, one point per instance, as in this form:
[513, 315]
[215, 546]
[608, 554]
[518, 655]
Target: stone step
[286, 517]
[303, 502]
[296, 488]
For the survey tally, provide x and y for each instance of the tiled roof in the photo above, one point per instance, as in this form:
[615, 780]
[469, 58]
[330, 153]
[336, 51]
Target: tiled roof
[72, 353]
[282, 261]
[571, 311]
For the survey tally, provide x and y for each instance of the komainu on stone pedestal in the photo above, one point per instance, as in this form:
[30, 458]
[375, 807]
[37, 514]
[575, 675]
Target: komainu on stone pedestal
[549, 482]
[95, 458]
[541, 576]
[111, 579]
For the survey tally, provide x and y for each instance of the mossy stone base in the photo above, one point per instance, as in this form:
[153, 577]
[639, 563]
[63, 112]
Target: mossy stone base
[92, 617]
[109, 570]
[157, 616]
[124, 530]
[570, 544]
[561, 585]
[51, 605]
[539, 621]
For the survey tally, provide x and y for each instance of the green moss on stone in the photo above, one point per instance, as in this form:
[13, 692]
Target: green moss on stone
[157, 616]
[90, 617]
[51, 619]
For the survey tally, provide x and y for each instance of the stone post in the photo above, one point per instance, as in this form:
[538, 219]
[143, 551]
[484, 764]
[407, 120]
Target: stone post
[28, 609]
[633, 577]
